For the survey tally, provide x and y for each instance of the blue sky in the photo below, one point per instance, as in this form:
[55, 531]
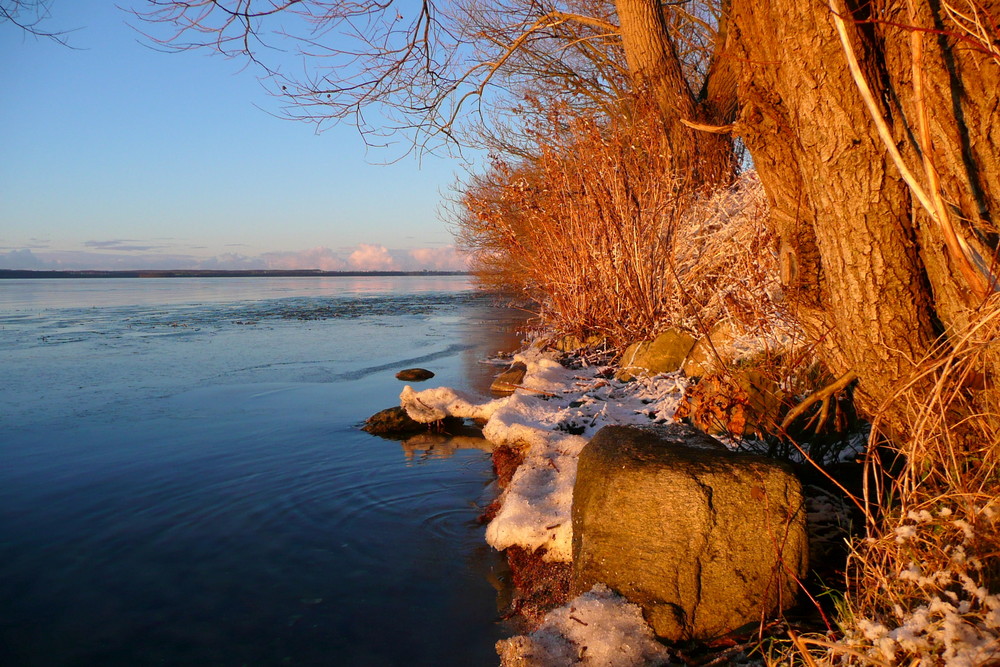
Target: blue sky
[119, 156]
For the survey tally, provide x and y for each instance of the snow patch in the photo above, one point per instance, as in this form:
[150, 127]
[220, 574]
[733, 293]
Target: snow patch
[596, 628]
[551, 418]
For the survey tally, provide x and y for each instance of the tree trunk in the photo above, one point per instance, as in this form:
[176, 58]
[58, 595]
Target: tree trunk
[870, 273]
[704, 158]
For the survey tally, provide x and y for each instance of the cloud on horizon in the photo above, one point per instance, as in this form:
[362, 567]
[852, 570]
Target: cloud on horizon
[123, 245]
[363, 257]
[369, 257]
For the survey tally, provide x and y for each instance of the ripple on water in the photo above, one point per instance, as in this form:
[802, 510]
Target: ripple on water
[206, 502]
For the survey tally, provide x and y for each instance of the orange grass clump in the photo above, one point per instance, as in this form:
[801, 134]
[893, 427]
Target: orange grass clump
[924, 583]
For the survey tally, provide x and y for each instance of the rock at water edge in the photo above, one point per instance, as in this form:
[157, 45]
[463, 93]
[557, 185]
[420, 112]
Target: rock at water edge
[414, 375]
[508, 381]
[703, 539]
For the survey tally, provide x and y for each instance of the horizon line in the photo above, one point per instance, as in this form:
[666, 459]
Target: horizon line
[211, 273]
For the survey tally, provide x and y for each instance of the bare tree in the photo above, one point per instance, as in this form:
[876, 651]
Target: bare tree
[872, 125]
[425, 67]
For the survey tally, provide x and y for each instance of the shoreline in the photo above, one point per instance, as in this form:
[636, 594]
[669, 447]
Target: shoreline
[538, 432]
[30, 274]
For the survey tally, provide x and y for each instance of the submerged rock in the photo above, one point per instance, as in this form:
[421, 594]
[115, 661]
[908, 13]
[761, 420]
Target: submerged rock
[703, 539]
[414, 375]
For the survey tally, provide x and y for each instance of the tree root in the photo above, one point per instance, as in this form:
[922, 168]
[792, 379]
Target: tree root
[821, 396]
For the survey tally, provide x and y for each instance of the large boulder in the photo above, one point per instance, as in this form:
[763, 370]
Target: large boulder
[663, 354]
[703, 539]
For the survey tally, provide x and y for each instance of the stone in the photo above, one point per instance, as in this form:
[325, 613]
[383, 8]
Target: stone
[395, 423]
[703, 539]
[414, 375]
[570, 343]
[711, 351]
[509, 380]
[392, 422]
[663, 354]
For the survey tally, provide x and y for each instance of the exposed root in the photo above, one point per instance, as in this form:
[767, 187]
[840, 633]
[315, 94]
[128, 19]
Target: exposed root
[824, 396]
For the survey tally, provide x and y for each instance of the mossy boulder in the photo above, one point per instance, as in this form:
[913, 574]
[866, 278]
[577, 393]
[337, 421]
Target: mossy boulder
[663, 354]
[705, 540]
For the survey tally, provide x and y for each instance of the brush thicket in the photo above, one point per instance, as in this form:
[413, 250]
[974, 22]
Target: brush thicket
[598, 232]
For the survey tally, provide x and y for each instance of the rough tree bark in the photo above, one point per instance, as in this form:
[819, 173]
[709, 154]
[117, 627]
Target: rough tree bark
[869, 270]
[703, 157]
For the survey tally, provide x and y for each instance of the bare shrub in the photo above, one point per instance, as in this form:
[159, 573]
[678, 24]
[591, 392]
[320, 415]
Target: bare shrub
[599, 233]
[726, 261]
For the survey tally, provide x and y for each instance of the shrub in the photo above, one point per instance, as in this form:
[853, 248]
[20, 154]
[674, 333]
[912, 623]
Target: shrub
[592, 226]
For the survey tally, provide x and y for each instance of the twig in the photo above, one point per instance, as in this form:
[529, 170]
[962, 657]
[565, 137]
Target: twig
[823, 395]
[802, 648]
[800, 643]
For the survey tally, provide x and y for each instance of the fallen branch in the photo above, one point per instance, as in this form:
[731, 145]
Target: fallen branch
[711, 129]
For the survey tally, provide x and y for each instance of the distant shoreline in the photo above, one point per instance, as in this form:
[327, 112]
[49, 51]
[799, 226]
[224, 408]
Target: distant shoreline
[199, 273]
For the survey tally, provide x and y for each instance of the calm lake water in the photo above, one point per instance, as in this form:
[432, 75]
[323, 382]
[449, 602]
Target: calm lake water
[183, 481]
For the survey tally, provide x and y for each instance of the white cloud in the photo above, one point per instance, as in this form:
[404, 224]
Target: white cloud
[370, 257]
[323, 259]
[447, 258]
[362, 257]
[21, 259]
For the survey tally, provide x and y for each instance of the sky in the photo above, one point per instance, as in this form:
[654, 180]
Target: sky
[114, 155]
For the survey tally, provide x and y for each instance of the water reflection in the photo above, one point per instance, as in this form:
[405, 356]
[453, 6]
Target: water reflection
[441, 446]
[491, 330]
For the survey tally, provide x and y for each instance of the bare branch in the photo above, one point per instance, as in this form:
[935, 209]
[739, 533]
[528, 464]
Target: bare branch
[29, 16]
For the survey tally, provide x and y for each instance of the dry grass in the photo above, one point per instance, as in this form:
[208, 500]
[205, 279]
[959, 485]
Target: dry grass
[924, 584]
[598, 232]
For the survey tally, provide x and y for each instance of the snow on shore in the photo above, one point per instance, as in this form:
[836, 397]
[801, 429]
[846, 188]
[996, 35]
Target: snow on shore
[597, 628]
[550, 419]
